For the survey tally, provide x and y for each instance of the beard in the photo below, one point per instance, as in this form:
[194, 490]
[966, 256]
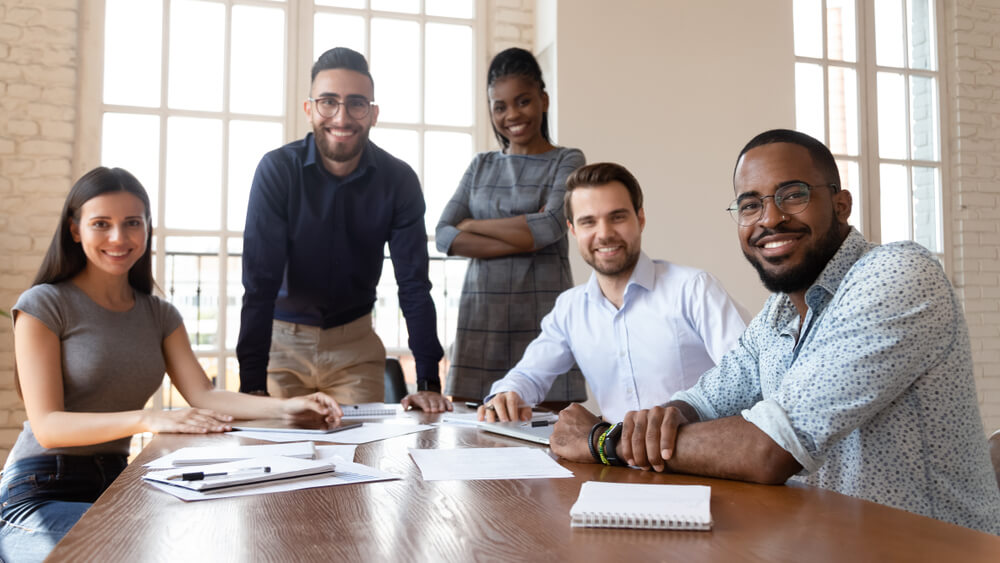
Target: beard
[339, 152]
[803, 275]
[624, 265]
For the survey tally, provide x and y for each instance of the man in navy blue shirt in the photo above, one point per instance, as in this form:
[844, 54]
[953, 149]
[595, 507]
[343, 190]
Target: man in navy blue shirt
[321, 210]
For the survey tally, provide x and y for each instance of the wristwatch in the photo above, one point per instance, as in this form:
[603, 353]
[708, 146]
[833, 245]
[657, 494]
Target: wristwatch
[611, 443]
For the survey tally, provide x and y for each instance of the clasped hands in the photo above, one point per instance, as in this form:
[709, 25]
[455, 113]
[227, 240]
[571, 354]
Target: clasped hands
[648, 436]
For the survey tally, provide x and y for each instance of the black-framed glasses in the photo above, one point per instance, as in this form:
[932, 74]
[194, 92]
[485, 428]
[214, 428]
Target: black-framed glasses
[358, 107]
[790, 199]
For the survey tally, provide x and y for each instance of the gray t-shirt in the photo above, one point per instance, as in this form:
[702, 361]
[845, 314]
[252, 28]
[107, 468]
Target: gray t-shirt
[111, 361]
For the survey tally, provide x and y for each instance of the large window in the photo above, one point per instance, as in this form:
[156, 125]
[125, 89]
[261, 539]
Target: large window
[193, 92]
[867, 83]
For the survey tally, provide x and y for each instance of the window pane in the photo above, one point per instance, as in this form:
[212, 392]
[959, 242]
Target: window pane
[234, 301]
[809, 114]
[889, 33]
[449, 75]
[341, 3]
[447, 156]
[403, 6]
[192, 285]
[194, 173]
[395, 64]
[450, 8]
[927, 207]
[840, 30]
[388, 318]
[843, 85]
[258, 69]
[132, 42]
[923, 52]
[447, 291]
[400, 143]
[850, 180]
[808, 18]
[924, 118]
[132, 142]
[894, 203]
[197, 48]
[248, 141]
[892, 140]
[334, 30]
[232, 371]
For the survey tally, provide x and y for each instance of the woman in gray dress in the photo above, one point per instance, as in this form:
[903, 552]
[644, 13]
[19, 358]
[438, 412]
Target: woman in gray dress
[507, 217]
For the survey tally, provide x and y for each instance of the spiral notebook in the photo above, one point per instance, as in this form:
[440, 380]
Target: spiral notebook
[633, 505]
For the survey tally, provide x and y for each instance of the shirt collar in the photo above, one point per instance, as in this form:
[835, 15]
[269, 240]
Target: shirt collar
[850, 251]
[312, 159]
[643, 275]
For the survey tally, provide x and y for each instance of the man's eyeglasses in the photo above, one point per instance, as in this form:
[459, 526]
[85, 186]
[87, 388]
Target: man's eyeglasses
[357, 107]
[789, 199]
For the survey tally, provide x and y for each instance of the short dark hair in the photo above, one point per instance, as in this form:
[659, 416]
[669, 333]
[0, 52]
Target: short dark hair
[342, 57]
[599, 174]
[65, 258]
[821, 156]
[516, 62]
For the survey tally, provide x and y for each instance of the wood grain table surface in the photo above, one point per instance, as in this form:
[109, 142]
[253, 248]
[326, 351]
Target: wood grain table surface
[491, 520]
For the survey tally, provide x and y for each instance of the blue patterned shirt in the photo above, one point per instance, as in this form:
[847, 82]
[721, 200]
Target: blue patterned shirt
[873, 395]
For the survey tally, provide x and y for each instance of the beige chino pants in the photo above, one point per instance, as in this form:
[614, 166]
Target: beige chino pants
[346, 362]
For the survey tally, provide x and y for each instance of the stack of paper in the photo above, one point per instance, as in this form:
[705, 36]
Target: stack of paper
[215, 454]
[217, 476]
[332, 467]
[487, 463]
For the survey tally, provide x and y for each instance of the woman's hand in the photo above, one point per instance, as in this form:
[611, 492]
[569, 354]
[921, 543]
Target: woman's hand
[186, 421]
[310, 408]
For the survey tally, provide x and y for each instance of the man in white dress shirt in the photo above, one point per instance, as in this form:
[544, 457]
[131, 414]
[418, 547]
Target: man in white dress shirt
[639, 329]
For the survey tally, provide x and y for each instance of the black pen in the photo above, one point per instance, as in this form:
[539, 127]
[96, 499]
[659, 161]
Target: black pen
[200, 475]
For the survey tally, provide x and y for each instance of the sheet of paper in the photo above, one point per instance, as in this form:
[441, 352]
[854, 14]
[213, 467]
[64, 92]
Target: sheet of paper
[487, 463]
[347, 472]
[367, 432]
[322, 452]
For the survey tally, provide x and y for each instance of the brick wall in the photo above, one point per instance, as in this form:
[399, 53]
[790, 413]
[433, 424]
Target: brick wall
[38, 59]
[972, 30]
[511, 23]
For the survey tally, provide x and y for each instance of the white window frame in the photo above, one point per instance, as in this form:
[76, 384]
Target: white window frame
[868, 158]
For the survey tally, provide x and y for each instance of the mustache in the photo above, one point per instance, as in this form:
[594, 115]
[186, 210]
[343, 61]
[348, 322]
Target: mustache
[766, 232]
[609, 242]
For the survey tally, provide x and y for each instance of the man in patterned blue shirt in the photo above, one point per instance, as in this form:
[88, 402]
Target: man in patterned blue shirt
[856, 376]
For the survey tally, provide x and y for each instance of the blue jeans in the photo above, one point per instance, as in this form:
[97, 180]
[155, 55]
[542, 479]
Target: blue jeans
[42, 497]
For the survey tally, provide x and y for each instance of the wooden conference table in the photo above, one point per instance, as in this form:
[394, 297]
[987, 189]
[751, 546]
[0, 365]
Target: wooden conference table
[508, 520]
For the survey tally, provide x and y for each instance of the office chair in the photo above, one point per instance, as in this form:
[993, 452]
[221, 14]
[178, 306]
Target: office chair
[395, 385]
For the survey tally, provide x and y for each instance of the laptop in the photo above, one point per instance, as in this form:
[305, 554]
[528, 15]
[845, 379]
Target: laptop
[537, 431]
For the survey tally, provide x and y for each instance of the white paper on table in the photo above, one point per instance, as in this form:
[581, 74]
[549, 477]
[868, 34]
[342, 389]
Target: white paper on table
[367, 432]
[347, 472]
[472, 419]
[487, 463]
[322, 452]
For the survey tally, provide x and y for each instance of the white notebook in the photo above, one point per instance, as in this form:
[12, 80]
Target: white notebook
[370, 409]
[634, 505]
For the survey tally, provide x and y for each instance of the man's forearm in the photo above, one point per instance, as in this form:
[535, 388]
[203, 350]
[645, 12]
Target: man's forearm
[730, 448]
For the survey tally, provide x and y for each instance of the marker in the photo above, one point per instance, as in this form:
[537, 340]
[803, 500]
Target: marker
[200, 475]
[471, 404]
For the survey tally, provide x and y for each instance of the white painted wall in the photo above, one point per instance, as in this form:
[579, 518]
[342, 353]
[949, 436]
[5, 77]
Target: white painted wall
[672, 90]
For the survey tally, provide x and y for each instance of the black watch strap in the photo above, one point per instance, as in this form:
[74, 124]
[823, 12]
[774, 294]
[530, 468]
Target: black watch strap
[611, 443]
